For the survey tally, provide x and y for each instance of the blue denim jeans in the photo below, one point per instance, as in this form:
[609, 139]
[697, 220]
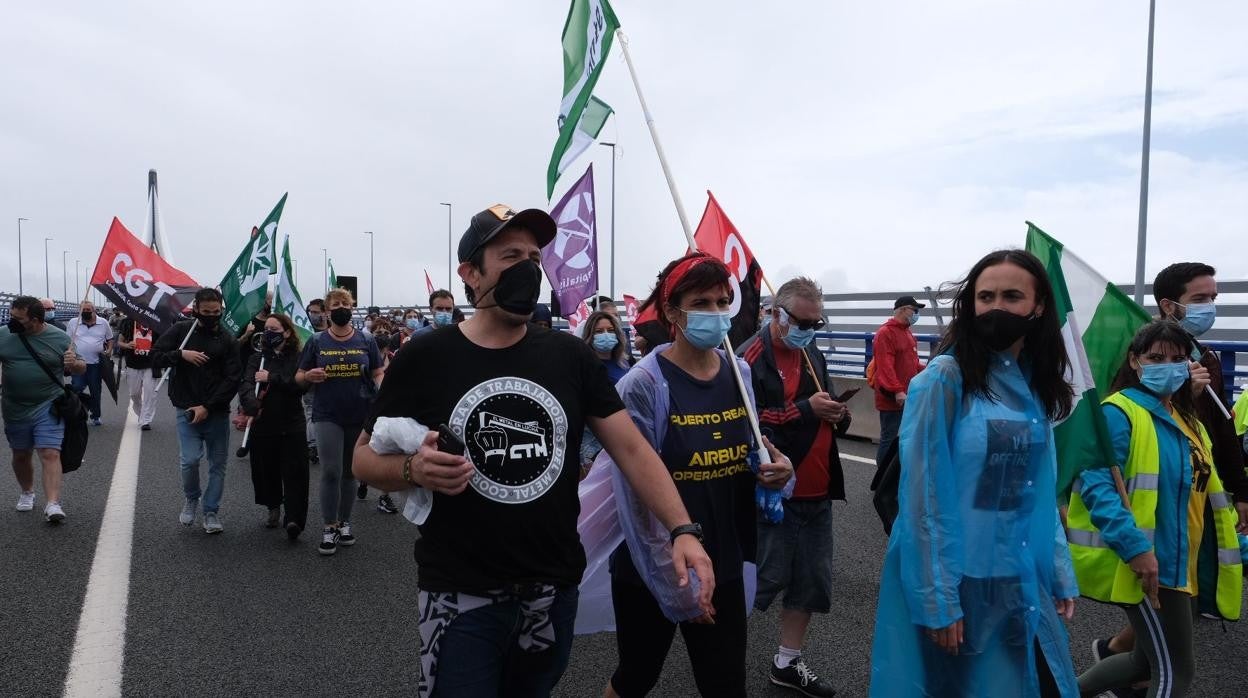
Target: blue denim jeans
[89, 381]
[479, 656]
[890, 422]
[210, 438]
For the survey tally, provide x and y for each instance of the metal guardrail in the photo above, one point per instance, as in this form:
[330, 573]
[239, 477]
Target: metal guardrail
[851, 362]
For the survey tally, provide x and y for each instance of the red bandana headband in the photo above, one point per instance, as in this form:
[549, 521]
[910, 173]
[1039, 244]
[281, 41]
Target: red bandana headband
[674, 278]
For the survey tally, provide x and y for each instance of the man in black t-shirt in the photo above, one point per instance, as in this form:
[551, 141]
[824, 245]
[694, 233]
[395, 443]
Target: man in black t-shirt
[136, 342]
[499, 550]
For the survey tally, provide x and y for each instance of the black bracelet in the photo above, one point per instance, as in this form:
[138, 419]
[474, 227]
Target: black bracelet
[693, 529]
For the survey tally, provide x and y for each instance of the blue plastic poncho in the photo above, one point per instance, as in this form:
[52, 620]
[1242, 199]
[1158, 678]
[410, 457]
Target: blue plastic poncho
[978, 538]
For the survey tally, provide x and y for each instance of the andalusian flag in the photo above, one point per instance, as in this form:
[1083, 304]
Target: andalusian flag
[1098, 322]
[333, 278]
[286, 298]
[587, 36]
[592, 120]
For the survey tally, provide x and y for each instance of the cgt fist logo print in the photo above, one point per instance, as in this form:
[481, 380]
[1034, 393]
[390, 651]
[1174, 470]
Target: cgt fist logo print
[516, 433]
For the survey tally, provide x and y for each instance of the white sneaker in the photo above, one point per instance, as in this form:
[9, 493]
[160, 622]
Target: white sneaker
[26, 501]
[212, 524]
[187, 517]
[53, 513]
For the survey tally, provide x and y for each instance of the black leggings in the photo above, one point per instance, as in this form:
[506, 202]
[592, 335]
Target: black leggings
[644, 637]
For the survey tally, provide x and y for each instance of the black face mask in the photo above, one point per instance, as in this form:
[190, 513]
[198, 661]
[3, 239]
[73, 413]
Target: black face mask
[87, 315]
[1000, 328]
[518, 288]
[267, 310]
[208, 322]
[340, 316]
[15, 326]
[272, 339]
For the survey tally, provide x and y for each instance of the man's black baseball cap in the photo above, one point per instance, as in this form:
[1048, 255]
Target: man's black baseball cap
[486, 225]
[907, 301]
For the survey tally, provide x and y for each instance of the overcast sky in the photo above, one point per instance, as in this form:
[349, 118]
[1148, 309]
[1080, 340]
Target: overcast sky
[873, 146]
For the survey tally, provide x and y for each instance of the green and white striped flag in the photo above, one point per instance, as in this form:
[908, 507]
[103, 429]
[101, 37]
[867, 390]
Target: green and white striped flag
[592, 120]
[286, 299]
[333, 278]
[1098, 322]
[247, 282]
[587, 37]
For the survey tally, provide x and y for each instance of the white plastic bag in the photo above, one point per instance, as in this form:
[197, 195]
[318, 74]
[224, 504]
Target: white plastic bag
[404, 435]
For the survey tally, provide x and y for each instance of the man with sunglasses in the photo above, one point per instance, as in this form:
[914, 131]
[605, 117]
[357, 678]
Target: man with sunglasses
[790, 378]
[896, 363]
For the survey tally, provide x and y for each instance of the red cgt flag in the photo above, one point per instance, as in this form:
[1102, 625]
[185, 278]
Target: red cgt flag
[718, 237]
[140, 282]
[429, 283]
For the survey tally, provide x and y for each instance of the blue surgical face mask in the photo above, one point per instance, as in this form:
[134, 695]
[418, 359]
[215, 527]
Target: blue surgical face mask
[442, 318]
[1164, 379]
[914, 317]
[1198, 317]
[796, 337]
[606, 341]
[412, 324]
[706, 330]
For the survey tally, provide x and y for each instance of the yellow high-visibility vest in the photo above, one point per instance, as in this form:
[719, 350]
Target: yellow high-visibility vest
[1102, 575]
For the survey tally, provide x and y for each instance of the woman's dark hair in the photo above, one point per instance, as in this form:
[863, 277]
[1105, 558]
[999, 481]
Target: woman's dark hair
[699, 278]
[1043, 343]
[291, 344]
[618, 354]
[1159, 332]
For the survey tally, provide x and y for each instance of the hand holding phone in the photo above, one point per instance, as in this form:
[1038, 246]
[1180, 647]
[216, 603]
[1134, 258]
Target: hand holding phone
[448, 442]
[845, 396]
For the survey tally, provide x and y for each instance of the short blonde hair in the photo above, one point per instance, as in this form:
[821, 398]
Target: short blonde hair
[341, 295]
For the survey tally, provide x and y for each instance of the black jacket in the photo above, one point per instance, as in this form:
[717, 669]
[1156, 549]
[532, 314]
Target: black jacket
[281, 398]
[1228, 450]
[212, 385]
[793, 426]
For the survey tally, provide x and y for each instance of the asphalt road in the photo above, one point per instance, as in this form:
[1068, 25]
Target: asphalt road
[249, 613]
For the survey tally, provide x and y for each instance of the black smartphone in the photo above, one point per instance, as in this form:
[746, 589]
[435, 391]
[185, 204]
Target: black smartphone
[448, 442]
[845, 396]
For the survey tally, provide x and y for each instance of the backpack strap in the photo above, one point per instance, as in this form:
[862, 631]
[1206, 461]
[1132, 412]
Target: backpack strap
[60, 382]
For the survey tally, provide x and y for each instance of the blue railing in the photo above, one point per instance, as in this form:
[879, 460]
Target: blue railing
[852, 361]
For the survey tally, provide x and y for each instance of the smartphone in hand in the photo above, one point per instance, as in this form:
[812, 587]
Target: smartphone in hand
[845, 396]
[448, 442]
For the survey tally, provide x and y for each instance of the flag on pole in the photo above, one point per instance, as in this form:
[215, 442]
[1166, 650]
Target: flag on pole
[718, 237]
[571, 258]
[333, 278]
[247, 281]
[1098, 323]
[286, 299]
[578, 317]
[429, 283]
[587, 129]
[630, 309]
[134, 278]
[587, 36]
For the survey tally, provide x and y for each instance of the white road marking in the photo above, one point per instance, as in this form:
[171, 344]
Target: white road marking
[99, 644]
[857, 459]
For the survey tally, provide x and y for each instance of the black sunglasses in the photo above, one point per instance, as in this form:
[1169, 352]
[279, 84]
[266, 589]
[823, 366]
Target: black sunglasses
[816, 324]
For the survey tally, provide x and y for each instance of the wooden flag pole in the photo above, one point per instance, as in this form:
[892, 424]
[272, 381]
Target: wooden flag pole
[750, 409]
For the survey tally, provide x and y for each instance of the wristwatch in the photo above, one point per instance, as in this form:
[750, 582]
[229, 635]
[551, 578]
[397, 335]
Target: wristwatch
[693, 529]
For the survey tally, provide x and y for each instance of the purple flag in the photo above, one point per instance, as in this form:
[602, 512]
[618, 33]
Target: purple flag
[571, 259]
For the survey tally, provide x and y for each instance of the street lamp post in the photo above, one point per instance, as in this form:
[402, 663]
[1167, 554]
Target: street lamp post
[449, 284]
[64, 276]
[325, 266]
[612, 146]
[372, 278]
[47, 276]
[21, 291]
[77, 276]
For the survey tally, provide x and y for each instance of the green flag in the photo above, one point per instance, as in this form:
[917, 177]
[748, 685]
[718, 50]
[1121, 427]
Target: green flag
[587, 37]
[592, 120]
[286, 299]
[1098, 322]
[246, 283]
[333, 278]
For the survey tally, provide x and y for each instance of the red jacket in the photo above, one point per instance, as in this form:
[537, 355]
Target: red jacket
[896, 362]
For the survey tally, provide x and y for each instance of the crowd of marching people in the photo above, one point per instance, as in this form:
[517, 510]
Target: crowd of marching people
[721, 468]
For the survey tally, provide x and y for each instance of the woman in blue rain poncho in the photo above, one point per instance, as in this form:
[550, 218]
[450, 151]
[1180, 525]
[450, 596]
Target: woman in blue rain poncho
[978, 572]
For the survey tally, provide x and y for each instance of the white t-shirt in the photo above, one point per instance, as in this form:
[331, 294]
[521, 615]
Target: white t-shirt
[88, 340]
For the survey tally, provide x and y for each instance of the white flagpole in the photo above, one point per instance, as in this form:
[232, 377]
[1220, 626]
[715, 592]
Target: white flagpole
[165, 374]
[658, 146]
[750, 408]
